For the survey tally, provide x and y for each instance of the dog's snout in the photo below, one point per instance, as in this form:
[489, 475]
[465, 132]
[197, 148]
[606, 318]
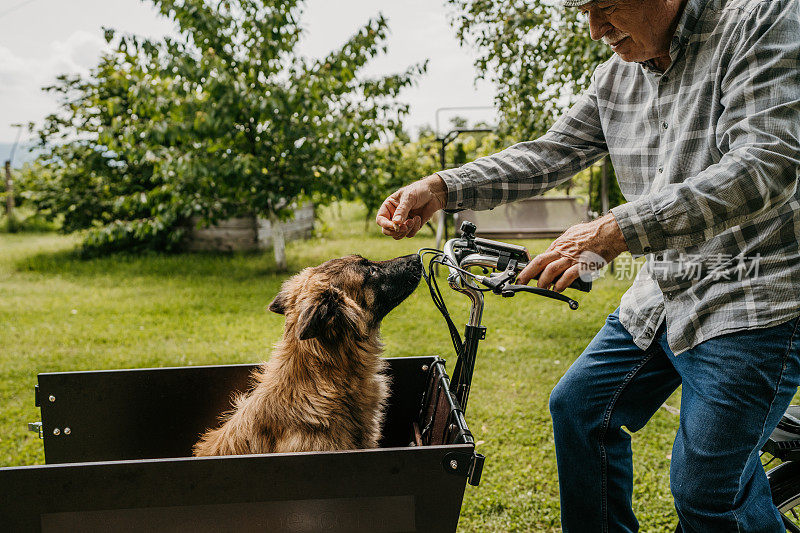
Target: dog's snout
[411, 258]
[405, 263]
[414, 265]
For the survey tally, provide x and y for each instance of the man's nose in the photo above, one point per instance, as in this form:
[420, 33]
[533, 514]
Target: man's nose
[598, 25]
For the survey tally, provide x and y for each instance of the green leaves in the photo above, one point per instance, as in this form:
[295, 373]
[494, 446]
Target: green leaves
[224, 121]
[401, 161]
[538, 54]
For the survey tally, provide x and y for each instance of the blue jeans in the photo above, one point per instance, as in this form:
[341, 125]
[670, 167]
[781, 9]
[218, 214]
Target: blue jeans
[735, 389]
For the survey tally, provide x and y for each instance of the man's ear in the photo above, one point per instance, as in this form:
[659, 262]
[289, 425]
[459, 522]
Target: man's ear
[278, 305]
[331, 312]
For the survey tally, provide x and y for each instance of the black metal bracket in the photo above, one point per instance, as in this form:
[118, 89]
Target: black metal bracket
[476, 469]
[465, 464]
[503, 260]
[36, 427]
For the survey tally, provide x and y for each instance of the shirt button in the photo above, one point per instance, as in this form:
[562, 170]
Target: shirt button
[460, 204]
[660, 170]
[669, 295]
[664, 125]
[646, 249]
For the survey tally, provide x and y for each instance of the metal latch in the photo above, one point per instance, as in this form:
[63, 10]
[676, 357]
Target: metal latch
[476, 469]
[465, 464]
[36, 427]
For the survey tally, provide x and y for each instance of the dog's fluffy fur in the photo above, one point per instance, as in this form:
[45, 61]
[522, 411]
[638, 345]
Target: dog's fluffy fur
[324, 386]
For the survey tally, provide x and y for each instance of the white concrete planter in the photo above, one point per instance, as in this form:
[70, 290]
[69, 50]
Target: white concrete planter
[248, 233]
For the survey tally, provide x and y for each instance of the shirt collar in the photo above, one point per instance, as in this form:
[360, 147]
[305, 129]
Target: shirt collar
[683, 31]
[686, 25]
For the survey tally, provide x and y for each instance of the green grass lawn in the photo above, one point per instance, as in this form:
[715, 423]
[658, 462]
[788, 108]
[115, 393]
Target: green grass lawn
[61, 313]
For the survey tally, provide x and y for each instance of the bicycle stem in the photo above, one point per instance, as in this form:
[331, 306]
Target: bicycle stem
[474, 332]
[459, 255]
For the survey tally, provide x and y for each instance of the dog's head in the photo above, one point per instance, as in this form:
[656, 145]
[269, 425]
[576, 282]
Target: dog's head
[346, 296]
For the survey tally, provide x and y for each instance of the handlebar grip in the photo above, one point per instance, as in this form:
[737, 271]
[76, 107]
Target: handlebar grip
[578, 284]
[583, 286]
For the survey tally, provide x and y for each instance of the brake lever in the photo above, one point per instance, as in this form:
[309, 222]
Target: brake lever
[510, 290]
[497, 284]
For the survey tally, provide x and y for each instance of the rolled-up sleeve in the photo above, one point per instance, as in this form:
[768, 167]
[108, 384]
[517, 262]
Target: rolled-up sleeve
[758, 134]
[529, 168]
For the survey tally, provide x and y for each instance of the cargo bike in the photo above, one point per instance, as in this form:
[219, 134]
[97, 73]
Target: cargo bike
[117, 443]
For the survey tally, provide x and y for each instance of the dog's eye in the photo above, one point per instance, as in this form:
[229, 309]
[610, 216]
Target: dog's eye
[372, 271]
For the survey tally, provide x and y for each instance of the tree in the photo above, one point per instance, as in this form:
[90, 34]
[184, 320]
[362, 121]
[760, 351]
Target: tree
[615, 196]
[402, 161]
[393, 165]
[538, 54]
[540, 57]
[225, 121]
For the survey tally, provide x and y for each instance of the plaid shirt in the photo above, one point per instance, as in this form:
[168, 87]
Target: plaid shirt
[707, 154]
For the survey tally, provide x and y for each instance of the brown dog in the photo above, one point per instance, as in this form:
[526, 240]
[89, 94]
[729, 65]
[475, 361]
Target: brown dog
[324, 387]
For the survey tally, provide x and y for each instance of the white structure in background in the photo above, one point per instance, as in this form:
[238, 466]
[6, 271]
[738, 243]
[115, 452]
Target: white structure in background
[248, 233]
[536, 217]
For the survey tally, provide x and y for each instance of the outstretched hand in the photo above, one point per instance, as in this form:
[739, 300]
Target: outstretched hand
[567, 255]
[404, 212]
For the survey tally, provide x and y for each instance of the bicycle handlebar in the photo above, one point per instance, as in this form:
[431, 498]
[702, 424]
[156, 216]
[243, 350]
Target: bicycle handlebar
[510, 259]
[501, 263]
[490, 261]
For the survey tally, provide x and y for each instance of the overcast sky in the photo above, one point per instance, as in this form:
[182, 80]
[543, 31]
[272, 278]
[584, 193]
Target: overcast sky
[42, 38]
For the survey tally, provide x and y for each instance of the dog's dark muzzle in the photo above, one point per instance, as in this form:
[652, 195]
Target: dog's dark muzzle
[398, 279]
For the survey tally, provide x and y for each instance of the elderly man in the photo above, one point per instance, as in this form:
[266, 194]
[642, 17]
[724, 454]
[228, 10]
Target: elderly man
[699, 110]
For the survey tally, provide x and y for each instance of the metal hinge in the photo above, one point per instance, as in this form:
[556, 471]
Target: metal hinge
[465, 464]
[36, 427]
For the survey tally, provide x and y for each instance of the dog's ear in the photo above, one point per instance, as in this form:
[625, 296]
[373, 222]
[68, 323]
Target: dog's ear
[278, 305]
[332, 312]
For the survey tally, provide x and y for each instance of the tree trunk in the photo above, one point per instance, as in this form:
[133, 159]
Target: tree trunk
[441, 229]
[278, 244]
[12, 221]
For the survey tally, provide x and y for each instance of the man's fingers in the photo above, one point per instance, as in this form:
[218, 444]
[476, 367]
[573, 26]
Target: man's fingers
[403, 207]
[535, 266]
[552, 271]
[569, 276]
[387, 210]
[414, 226]
[396, 234]
[389, 231]
[403, 213]
[401, 231]
[384, 223]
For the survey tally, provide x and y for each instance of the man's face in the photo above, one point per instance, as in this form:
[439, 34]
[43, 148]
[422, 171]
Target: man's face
[637, 30]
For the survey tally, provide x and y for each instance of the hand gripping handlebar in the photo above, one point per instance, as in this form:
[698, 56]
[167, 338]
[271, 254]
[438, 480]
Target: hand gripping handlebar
[508, 259]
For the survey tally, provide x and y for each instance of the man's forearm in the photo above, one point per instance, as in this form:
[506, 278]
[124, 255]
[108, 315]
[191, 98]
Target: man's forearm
[530, 168]
[438, 188]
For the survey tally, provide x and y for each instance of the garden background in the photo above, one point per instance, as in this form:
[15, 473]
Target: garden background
[228, 120]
